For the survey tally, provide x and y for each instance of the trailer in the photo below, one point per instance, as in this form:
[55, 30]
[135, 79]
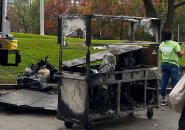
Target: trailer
[106, 85]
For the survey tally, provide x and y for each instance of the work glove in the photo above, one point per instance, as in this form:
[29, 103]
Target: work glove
[183, 46]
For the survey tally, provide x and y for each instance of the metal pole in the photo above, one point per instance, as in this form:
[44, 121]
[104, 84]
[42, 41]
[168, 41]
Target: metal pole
[41, 17]
[5, 21]
[1, 16]
[178, 32]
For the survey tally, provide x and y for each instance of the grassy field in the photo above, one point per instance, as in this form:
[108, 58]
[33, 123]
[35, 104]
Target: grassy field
[34, 47]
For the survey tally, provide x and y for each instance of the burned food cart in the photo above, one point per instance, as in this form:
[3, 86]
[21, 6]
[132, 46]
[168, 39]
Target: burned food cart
[125, 81]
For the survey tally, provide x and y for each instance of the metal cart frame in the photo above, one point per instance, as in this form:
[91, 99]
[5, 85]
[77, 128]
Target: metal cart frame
[76, 89]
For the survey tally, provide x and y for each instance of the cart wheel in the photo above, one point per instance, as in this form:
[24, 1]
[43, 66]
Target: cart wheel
[68, 124]
[150, 113]
[89, 126]
[131, 113]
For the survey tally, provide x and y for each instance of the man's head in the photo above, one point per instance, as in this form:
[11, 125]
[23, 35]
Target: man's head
[166, 34]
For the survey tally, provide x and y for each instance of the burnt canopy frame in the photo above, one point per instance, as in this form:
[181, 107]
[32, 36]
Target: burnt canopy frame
[131, 19]
[156, 23]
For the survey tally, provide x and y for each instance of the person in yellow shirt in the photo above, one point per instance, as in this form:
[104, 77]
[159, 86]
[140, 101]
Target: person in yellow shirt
[171, 51]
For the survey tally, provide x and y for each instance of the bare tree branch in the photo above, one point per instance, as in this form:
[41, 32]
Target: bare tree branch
[179, 4]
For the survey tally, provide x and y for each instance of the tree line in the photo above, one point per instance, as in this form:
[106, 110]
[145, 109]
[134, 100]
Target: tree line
[25, 17]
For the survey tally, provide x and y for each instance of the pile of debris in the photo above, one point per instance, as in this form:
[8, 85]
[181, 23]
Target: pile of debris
[39, 76]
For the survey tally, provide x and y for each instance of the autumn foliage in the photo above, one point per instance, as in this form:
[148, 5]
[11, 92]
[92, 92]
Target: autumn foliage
[52, 10]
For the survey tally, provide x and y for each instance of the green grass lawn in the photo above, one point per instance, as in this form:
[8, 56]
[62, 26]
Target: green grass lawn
[34, 47]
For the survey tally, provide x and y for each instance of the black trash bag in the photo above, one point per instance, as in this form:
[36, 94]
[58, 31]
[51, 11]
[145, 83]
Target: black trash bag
[36, 84]
[39, 76]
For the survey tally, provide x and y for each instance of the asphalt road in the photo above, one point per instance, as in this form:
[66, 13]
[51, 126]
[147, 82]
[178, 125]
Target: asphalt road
[19, 119]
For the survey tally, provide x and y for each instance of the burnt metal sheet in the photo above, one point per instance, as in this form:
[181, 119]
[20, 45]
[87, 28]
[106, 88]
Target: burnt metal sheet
[94, 57]
[113, 50]
[117, 50]
[73, 99]
[30, 98]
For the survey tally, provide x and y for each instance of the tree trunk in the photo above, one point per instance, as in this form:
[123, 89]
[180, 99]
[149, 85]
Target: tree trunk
[150, 10]
[121, 31]
[170, 15]
[25, 29]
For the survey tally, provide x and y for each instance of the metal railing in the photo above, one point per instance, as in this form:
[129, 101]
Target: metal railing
[181, 33]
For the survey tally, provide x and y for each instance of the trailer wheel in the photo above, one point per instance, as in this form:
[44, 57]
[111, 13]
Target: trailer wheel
[68, 124]
[150, 113]
[89, 126]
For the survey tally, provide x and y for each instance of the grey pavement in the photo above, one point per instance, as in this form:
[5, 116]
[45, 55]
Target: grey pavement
[15, 119]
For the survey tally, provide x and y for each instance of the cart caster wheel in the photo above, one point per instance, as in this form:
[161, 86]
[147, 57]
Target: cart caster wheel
[131, 113]
[150, 113]
[89, 126]
[68, 124]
